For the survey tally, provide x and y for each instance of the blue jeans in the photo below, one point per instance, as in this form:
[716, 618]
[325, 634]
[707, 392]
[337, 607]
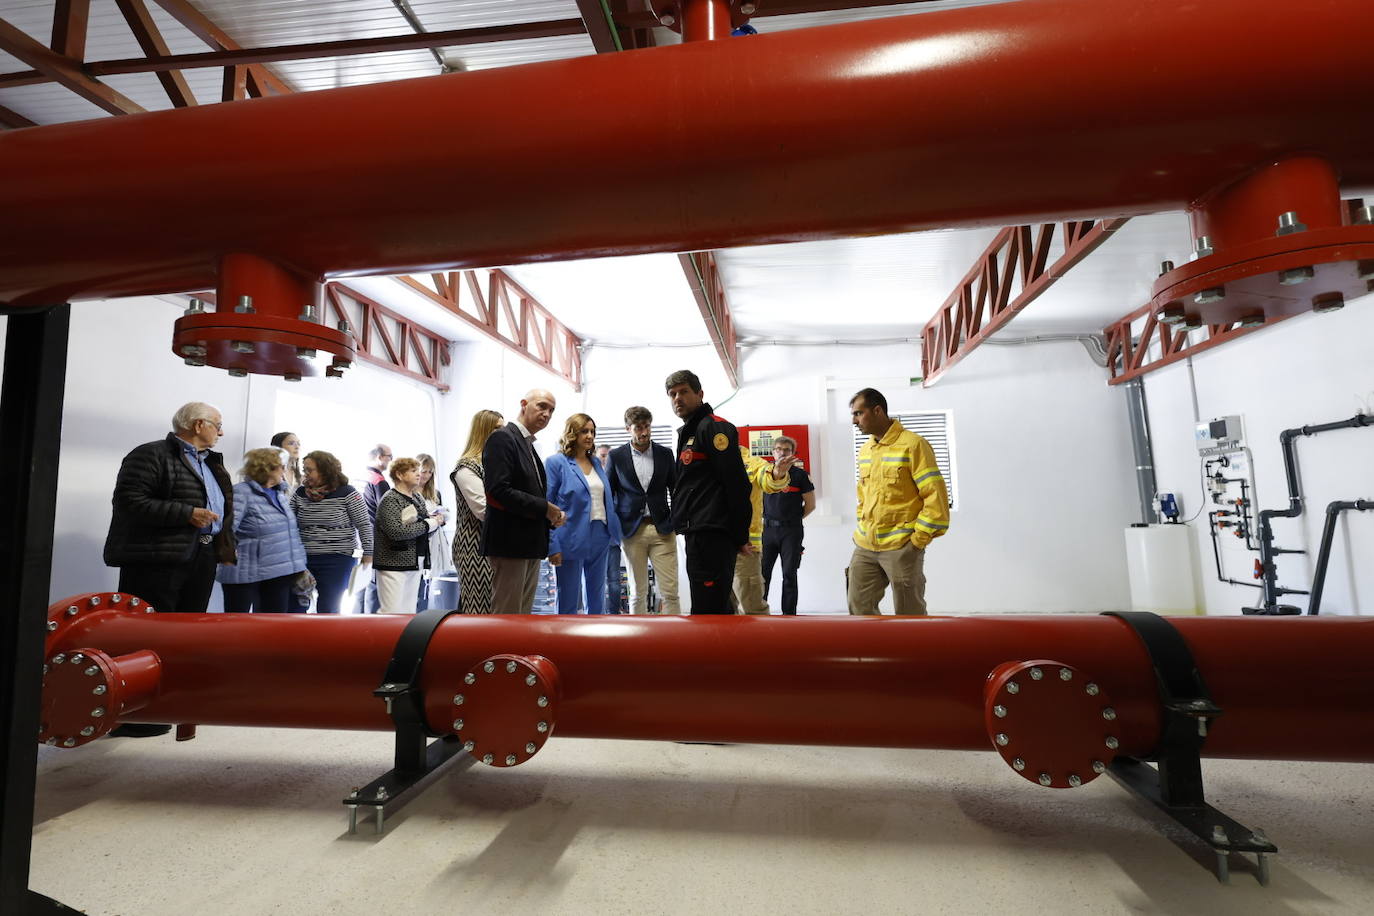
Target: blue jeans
[331, 578]
[589, 567]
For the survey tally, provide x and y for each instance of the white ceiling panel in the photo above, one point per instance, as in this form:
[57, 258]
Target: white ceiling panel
[443, 15]
[514, 53]
[643, 299]
[832, 17]
[49, 103]
[260, 23]
[358, 70]
[885, 286]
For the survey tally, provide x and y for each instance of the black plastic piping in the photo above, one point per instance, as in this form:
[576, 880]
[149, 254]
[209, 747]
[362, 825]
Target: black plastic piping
[1269, 573]
[1216, 555]
[1333, 512]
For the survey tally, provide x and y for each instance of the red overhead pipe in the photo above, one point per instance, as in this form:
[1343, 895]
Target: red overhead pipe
[1288, 689]
[1013, 113]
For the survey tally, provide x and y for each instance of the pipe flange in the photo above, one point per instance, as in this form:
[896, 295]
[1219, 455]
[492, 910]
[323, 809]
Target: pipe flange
[1051, 722]
[1285, 275]
[85, 692]
[505, 708]
[62, 615]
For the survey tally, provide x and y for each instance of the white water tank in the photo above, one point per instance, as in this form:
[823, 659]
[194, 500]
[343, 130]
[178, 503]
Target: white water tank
[1159, 561]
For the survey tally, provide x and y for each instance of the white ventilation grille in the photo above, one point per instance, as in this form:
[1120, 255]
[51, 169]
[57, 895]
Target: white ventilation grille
[937, 428]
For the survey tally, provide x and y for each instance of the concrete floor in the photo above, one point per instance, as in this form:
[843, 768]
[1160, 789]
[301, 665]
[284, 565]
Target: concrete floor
[249, 821]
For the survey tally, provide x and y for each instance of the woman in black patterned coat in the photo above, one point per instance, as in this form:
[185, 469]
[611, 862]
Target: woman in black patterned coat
[474, 570]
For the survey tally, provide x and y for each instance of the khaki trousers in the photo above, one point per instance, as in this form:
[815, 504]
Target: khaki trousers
[749, 584]
[512, 585]
[871, 571]
[646, 545]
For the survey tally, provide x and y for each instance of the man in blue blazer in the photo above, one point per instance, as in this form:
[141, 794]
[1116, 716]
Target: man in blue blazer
[641, 476]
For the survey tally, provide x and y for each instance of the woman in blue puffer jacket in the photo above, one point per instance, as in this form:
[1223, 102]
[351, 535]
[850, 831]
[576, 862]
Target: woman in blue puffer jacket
[271, 554]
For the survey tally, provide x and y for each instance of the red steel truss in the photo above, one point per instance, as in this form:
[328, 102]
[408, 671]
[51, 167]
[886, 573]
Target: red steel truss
[508, 314]
[382, 337]
[387, 339]
[149, 39]
[1141, 343]
[260, 79]
[1007, 277]
[703, 275]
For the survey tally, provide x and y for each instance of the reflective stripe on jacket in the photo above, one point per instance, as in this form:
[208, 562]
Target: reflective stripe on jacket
[757, 469]
[902, 495]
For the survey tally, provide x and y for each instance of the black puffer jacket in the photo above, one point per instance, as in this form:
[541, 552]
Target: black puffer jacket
[153, 497]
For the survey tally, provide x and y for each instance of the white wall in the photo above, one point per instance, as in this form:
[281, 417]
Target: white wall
[1043, 451]
[1308, 370]
[124, 383]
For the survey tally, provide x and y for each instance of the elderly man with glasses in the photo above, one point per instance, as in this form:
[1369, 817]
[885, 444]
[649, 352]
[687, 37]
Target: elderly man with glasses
[173, 520]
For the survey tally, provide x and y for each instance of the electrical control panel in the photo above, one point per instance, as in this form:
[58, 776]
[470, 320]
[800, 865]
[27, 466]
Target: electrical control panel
[1219, 435]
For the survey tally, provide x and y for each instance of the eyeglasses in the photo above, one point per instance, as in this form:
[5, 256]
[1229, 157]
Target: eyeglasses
[219, 427]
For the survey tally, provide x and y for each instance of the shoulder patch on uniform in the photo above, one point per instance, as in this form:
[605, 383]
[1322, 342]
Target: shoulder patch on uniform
[721, 442]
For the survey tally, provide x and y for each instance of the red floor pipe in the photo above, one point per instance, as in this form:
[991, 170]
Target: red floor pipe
[1017, 112]
[1289, 688]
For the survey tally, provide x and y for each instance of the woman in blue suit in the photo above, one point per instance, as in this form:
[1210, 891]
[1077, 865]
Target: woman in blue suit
[577, 485]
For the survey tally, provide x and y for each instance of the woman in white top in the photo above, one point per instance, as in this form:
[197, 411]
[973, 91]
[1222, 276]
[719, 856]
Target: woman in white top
[577, 485]
[474, 570]
[291, 444]
[440, 561]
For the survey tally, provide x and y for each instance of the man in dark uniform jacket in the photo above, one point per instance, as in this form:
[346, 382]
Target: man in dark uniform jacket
[515, 530]
[173, 521]
[711, 495]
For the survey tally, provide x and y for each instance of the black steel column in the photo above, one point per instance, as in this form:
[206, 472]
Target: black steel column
[30, 435]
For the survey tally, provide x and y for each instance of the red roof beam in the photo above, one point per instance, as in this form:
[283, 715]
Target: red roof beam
[982, 304]
[64, 70]
[149, 38]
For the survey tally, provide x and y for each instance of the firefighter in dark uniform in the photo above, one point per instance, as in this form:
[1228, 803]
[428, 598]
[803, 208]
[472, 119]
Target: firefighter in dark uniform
[711, 505]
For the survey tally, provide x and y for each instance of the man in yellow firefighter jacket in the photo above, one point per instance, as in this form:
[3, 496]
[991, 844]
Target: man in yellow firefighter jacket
[903, 505]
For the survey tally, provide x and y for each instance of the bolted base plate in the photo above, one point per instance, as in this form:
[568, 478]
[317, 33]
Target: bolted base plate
[1271, 277]
[276, 343]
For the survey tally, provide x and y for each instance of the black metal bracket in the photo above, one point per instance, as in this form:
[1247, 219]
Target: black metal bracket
[1175, 784]
[417, 760]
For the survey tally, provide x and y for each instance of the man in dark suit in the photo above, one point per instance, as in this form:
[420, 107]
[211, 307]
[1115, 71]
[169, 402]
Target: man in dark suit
[515, 531]
[641, 476]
